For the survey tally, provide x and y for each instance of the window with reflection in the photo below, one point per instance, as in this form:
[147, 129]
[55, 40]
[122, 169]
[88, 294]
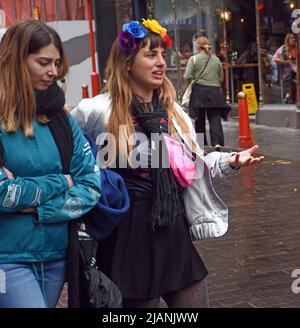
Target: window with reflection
[278, 51]
[45, 10]
[231, 28]
[186, 20]
[123, 12]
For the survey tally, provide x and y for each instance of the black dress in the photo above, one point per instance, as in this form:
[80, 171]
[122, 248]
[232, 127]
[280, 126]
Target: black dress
[146, 264]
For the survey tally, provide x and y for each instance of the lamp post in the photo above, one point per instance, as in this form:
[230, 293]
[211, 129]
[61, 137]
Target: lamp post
[224, 17]
[34, 10]
[298, 62]
[150, 7]
[176, 48]
[94, 74]
[45, 10]
[258, 42]
[15, 10]
[198, 17]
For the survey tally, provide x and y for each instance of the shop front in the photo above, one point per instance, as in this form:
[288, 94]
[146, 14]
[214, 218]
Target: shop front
[70, 19]
[246, 35]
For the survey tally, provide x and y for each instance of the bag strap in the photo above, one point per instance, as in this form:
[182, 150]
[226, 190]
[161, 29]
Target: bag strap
[202, 71]
[2, 162]
[61, 130]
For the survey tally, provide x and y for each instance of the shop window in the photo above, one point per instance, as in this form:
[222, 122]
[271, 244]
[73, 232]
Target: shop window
[2, 18]
[278, 52]
[45, 10]
[194, 18]
[123, 12]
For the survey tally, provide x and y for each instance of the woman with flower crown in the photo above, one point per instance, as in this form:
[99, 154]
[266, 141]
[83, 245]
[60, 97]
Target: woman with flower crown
[150, 254]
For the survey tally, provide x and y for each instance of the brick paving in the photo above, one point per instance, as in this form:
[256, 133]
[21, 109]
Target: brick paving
[251, 265]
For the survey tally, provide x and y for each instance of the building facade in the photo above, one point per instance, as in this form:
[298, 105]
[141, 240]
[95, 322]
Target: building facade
[244, 34]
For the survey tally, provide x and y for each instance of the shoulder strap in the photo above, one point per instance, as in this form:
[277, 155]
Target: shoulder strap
[61, 130]
[204, 68]
[2, 162]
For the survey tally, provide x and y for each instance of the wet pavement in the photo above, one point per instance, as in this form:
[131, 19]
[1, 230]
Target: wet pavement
[252, 264]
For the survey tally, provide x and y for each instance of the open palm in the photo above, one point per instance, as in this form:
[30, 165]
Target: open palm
[245, 158]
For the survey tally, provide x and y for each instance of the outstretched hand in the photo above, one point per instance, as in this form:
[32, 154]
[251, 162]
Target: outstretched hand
[245, 158]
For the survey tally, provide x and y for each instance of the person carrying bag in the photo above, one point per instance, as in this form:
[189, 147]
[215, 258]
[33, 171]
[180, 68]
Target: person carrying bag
[187, 94]
[207, 98]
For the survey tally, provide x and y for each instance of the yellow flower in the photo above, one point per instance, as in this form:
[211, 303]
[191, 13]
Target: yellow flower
[153, 26]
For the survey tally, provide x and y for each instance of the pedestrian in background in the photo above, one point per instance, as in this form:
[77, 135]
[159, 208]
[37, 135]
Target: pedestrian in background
[37, 199]
[285, 58]
[150, 254]
[207, 99]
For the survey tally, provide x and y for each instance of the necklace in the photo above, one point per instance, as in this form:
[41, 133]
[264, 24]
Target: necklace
[147, 104]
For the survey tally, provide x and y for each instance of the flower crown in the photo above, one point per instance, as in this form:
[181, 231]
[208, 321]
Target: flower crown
[134, 30]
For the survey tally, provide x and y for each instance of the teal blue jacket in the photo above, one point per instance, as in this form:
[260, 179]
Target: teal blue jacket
[38, 182]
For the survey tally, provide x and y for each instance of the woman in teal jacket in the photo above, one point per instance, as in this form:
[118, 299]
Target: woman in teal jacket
[36, 199]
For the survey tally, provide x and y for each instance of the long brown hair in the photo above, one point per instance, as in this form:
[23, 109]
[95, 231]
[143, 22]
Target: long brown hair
[287, 39]
[17, 99]
[121, 95]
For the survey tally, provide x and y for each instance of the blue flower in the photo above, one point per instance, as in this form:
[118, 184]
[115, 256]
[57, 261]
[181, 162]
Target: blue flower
[135, 29]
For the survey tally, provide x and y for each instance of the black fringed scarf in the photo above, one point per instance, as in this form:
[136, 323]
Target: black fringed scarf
[50, 102]
[166, 207]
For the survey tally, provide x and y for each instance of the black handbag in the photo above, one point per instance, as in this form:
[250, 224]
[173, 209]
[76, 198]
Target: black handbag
[88, 287]
[96, 290]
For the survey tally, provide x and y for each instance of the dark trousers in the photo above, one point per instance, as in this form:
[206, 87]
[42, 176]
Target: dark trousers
[215, 125]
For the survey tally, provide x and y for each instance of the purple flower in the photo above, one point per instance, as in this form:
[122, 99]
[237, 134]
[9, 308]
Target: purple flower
[126, 42]
[136, 29]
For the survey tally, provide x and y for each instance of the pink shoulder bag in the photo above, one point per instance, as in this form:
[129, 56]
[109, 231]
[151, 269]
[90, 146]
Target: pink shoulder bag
[181, 162]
